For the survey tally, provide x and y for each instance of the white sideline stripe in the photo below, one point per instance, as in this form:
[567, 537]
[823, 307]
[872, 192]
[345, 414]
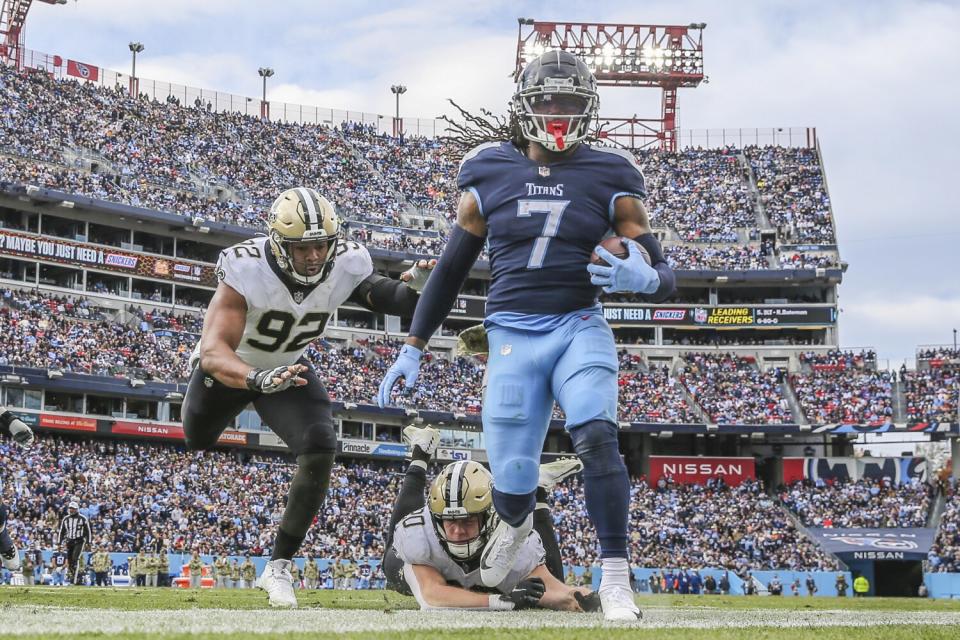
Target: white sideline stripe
[35, 619]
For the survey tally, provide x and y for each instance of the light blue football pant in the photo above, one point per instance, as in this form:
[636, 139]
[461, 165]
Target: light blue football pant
[576, 364]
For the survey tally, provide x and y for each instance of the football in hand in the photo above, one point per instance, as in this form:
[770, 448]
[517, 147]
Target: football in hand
[614, 244]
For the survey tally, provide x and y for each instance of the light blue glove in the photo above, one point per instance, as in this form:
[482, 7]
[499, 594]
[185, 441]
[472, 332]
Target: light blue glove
[631, 274]
[406, 366]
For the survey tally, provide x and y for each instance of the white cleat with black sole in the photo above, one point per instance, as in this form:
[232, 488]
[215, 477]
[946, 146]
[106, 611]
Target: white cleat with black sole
[427, 439]
[553, 473]
[500, 554]
[618, 604]
[277, 581]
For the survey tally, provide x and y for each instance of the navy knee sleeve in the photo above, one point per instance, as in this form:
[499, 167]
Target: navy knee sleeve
[606, 484]
[512, 508]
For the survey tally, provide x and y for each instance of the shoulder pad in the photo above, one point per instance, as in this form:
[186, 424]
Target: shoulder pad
[621, 153]
[477, 150]
[354, 258]
[410, 538]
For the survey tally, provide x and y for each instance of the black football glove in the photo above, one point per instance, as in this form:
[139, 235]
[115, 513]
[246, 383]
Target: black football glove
[526, 594]
[588, 603]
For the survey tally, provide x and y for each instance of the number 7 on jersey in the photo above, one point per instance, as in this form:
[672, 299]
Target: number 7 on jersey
[554, 210]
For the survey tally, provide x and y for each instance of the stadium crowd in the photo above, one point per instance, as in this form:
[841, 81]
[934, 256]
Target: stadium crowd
[702, 194]
[844, 387]
[863, 503]
[145, 496]
[692, 527]
[931, 392]
[793, 193]
[733, 390]
[152, 497]
[944, 556]
[73, 334]
[226, 167]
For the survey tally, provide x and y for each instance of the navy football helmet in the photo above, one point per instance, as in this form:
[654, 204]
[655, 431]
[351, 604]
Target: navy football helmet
[556, 100]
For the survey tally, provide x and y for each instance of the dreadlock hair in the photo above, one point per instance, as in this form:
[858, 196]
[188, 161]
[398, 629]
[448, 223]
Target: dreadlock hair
[489, 127]
[476, 130]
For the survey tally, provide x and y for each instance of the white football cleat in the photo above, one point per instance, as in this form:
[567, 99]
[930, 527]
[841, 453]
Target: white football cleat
[553, 473]
[426, 438]
[501, 551]
[277, 581]
[11, 560]
[618, 604]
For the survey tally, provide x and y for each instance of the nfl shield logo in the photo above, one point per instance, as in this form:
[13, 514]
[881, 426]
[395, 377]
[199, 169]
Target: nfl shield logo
[699, 315]
[544, 172]
[506, 349]
[298, 296]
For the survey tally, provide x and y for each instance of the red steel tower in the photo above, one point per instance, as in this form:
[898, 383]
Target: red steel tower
[13, 15]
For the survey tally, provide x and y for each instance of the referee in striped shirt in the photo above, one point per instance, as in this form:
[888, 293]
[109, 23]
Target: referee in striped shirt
[74, 534]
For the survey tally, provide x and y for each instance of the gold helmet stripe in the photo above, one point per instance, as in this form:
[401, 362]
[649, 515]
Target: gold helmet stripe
[312, 221]
[456, 480]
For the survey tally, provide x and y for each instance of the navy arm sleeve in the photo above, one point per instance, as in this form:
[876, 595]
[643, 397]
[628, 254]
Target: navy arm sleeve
[437, 298]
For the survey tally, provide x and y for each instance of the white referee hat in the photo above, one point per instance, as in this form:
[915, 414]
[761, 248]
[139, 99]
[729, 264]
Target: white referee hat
[73, 505]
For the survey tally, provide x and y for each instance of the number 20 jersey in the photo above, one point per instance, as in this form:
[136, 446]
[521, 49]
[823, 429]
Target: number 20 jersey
[543, 221]
[283, 318]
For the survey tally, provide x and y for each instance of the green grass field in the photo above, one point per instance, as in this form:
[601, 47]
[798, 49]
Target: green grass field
[119, 614]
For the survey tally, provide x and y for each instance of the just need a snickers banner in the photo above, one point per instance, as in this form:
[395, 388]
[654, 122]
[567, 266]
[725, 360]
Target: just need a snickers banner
[81, 254]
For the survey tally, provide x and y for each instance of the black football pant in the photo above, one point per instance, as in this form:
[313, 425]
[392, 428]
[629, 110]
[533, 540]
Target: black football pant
[300, 416]
[74, 551]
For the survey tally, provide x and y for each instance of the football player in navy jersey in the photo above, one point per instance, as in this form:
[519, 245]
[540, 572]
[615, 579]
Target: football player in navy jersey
[542, 201]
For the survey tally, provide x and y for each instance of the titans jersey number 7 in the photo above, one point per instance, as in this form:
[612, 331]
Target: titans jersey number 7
[543, 221]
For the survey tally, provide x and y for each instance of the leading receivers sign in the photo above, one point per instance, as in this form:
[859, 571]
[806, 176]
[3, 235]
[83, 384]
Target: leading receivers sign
[542, 201]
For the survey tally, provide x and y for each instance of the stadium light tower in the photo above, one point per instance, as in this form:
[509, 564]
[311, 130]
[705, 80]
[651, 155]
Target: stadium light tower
[397, 90]
[135, 48]
[626, 55]
[265, 72]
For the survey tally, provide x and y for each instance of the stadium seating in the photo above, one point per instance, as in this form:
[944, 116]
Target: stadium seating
[863, 503]
[217, 502]
[227, 167]
[732, 390]
[692, 527]
[945, 554]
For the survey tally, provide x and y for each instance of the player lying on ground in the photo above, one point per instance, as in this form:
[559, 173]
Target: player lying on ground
[22, 435]
[274, 298]
[433, 550]
[541, 200]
